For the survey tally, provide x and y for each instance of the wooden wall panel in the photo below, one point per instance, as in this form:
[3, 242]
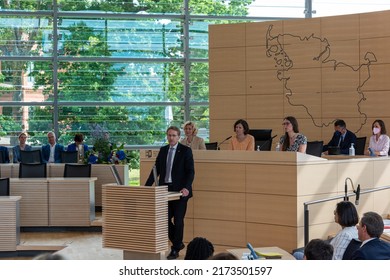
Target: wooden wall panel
[217, 177]
[260, 178]
[264, 106]
[340, 28]
[341, 62]
[227, 107]
[263, 82]
[262, 235]
[208, 205]
[271, 209]
[226, 232]
[374, 25]
[226, 35]
[228, 83]
[227, 59]
[319, 173]
[255, 33]
[379, 46]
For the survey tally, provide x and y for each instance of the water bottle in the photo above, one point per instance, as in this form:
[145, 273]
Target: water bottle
[277, 147]
[258, 148]
[352, 150]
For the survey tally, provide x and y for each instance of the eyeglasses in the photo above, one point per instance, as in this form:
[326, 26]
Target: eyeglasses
[286, 123]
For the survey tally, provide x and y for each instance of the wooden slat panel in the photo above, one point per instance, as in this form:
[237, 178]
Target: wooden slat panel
[8, 225]
[135, 218]
[256, 33]
[264, 107]
[34, 207]
[340, 28]
[374, 25]
[264, 82]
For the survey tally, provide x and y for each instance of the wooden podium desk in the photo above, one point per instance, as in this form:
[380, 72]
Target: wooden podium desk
[257, 197]
[101, 171]
[9, 223]
[135, 220]
[55, 201]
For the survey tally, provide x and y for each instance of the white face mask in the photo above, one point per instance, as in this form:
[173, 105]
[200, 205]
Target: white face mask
[376, 130]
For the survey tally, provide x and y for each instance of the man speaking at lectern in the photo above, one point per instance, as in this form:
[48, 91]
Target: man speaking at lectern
[175, 168]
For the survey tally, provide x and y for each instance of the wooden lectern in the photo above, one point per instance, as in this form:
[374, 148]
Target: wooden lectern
[135, 220]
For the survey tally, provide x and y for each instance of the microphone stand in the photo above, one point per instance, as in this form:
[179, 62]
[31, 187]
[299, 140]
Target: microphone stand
[265, 142]
[357, 191]
[218, 147]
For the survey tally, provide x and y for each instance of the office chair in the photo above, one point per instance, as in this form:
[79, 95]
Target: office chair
[360, 144]
[34, 156]
[4, 186]
[263, 145]
[2, 157]
[77, 170]
[32, 170]
[69, 156]
[211, 146]
[314, 148]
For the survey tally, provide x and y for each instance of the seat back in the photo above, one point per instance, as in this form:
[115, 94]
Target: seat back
[314, 148]
[69, 156]
[4, 186]
[77, 170]
[351, 248]
[263, 145]
[32, 170]
[34, 156]
[211, 146]
[360, 144]
[2, 157]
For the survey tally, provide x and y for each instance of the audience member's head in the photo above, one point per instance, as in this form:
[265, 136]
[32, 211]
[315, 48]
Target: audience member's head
[241, 123]
[78, 138]
[199, 249]
[318, 249]
[223, 256]
[345, 214]
[49, 256]
[51, 137]
[190, 128]
[370, 226]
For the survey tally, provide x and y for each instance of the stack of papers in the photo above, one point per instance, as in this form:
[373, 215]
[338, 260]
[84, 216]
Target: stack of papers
[269, 255]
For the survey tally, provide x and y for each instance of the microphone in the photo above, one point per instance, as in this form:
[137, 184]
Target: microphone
[265, 142]
[357, 195]
[223, 142]
[253, 252]
[346, 189]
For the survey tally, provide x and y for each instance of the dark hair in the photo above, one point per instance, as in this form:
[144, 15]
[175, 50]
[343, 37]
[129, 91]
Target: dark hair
[244, 125]
[374, 224]
[294, 124]
[175, 128]
[381, 124]
[78, 137]
[340, 123]
[347, 214]
[224, 256]
[199, 249]
[318, 249]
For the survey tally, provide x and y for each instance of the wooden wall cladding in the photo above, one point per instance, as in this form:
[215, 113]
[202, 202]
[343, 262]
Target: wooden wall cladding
[317, 70]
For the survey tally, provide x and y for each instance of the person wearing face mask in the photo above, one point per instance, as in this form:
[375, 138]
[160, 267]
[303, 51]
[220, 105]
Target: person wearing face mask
[342, 138]
[379, 141]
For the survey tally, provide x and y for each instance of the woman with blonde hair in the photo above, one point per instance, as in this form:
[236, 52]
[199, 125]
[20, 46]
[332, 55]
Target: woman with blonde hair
[190, 139]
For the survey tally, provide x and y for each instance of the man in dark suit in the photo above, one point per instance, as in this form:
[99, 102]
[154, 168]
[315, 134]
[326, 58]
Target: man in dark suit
[175, 168]
[342, 138]
[51, 152]
[370, 229]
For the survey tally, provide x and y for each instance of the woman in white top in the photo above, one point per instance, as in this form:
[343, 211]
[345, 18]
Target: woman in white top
[379, 141]
[191, 140]
[347, 217]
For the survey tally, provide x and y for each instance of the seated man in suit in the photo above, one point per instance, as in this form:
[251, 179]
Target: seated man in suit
[51, 152]
[342, 138]
[370, 229]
